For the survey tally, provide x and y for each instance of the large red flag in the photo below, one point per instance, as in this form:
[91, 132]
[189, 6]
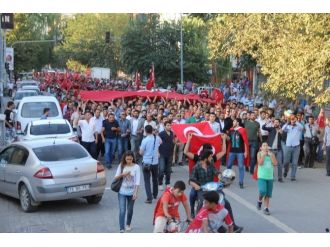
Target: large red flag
[182, 130]
[217, 95]
[137, 80]
[196, 146]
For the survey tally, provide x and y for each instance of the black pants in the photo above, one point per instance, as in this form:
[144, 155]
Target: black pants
[90, 147]
[301, 154]
[99, 146]
[310, 152]
[151, 171]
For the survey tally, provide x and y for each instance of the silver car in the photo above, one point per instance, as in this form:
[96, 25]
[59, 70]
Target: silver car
[49, 170]
[20, 94]
[48, 128]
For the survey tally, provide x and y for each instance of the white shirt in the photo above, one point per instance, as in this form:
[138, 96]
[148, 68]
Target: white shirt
[262, 122]
[87, 130]
[74, 117]
[215, 126]
[152, 123]
[135, 123]
[129, 182]
[98, 123]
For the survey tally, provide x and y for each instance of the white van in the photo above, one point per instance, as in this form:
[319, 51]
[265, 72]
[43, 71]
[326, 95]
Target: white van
[31, 108]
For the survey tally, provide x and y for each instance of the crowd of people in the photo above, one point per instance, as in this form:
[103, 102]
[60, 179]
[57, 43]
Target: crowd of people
[258, 136]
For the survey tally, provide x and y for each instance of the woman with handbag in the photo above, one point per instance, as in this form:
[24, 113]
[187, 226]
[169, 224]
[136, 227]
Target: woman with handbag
[129, 172]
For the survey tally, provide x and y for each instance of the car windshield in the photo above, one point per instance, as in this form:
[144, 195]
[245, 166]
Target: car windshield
[20, 96]
[60, 152]
[35, 109]
[49, 129]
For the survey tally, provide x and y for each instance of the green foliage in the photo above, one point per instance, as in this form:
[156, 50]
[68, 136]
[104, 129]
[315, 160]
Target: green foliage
[30, 56]
[148, 41]
[293, 50]
[84, 40]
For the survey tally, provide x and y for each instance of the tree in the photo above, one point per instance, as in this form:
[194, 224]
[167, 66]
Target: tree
[84, 40]
[148, 41]
[293, 50]
[33, 27]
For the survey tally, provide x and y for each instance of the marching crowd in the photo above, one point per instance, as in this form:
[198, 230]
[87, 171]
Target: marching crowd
[255, 135]
[139, 131]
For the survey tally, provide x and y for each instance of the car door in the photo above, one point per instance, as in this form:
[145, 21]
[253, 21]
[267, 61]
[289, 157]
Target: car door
[14, 170]
[5, 157]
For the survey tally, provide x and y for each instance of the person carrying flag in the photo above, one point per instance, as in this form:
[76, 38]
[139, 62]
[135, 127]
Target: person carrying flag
[238, 148]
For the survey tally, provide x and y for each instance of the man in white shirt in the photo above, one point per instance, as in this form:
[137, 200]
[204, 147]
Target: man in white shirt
[98, 121]
[150, 122]
[262, 121]
[88, 134]
[136, 125]
[214, 125]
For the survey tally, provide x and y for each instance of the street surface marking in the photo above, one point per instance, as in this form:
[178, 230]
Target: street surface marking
[253, 208]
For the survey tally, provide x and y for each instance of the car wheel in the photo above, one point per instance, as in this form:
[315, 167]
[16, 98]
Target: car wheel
[27, 203]
[94, 199]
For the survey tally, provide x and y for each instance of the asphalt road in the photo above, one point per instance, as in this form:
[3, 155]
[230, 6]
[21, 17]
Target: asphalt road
[301, 206]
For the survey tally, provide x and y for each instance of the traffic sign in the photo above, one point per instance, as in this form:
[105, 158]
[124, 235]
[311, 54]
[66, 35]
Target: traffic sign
[7, 21]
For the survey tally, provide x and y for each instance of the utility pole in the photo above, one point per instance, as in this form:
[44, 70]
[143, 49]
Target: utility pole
[181, 52]
[2, 68]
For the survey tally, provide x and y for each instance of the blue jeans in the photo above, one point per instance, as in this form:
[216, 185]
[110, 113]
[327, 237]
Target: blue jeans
[253, 154]
[291, 154]
[319, 154]
[165, 169]
[240, 161]
[110, 148]
[122, 146]
[125, 202]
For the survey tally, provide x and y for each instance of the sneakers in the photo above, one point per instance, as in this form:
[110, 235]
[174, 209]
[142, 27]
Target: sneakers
[180, 164]
[161, 187]
[280, 180]
[122, 231]
[238, 229]
[293, 179]
[148, 201]
[241, 185]
[128, 228]
[259, 205]
[266, 211]
[285, 174]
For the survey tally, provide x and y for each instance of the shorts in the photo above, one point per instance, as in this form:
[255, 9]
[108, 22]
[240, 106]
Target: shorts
[265, 187]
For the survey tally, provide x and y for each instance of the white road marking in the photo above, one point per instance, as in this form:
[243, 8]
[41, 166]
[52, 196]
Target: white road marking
[253, 208]
[107, 188]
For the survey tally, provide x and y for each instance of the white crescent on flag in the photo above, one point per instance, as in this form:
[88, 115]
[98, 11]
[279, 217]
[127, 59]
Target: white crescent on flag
[192, 129]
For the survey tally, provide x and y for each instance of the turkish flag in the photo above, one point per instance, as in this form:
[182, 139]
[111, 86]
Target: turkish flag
[196, 145]
[151, 81]
[182, 130]
[217, 95]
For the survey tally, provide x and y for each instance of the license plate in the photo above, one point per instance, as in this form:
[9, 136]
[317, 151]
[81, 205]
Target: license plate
[79, 188]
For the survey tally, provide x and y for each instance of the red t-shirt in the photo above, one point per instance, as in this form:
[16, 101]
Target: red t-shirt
[173, 204]
[215, 217]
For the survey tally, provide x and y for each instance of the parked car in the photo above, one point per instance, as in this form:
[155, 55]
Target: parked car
[48, 128]
[33, 88]
[20, 94]
[50, 170]
[31, 108]
[20, 84]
